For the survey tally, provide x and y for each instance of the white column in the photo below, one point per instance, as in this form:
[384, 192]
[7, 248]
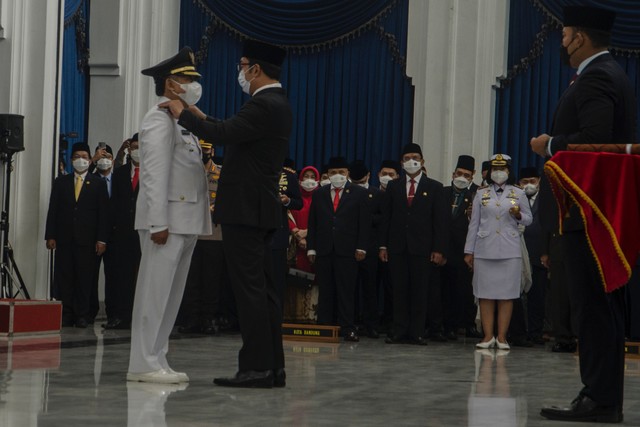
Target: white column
[28, 47]
[456, 50]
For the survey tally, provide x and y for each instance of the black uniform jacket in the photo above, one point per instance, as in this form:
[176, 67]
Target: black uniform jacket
[82, 222]
[256, 142]
[123, 203]
[422, 228]
[344, 230]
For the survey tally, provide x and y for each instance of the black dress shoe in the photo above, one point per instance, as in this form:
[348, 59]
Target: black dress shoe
[210, 327]
[564, 347]
[372, 333]
[82, 323]
[472, 333]
[117, 324]
[247, 379]
[437, 337]
[451, 336]
[538, 340]
[419, 341]
[352, 337]
[279, 378]
[583, 408]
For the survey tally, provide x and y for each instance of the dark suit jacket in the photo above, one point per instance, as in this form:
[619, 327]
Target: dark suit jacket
[256, 142]
[343, 231]
[459, 223]
[84, 222]
[598, 108]
[375, 199]
[534, 236]
[123, 204]
[422, 228]
[288, 185]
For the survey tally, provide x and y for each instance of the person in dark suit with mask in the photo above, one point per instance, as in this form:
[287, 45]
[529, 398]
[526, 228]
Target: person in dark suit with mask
[599, 107]
[78, 229]
[339, 227]
[249, 207]
[414, 240]
[459, 306]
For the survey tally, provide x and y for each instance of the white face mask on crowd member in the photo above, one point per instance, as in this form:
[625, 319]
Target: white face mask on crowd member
[135, 155]
[411, 166]
[325, 182]
[309, 184]
[243, 82]
[530, 189]
[104, 164]
[80, 165]
[192, 92]
[385, 180]
[338, 180]
[499, 177]
[461, 182]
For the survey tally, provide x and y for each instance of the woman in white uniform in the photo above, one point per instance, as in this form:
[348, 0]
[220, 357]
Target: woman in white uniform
[493, 250]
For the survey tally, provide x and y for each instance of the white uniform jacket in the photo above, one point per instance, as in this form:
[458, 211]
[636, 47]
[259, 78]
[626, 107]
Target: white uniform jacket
[173, 183]
[493, 232]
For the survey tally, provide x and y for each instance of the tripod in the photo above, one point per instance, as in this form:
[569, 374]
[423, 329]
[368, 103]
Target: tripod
[10, 276]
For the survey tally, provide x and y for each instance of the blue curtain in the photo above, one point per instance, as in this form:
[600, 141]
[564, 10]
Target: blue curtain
[345, 73]
[74, 90]
[527, 97]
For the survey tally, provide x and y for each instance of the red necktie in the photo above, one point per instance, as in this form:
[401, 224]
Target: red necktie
[412, 191]
[136, 177]
[336, 199]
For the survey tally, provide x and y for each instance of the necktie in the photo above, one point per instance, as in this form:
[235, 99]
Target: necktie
[336, 199]
[499, 190]
[412, 191]
[78, 186]
[136, 177]
[456, 202]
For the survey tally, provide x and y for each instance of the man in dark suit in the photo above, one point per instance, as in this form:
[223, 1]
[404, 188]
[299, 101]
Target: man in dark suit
[77, 228]
[368, 268]
[599, 107]
[290, 199]
[414, 239]
[126, 241]
[459, 306]
[249, 208]
[337, 239]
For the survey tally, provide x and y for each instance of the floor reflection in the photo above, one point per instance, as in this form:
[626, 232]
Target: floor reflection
[146, 403]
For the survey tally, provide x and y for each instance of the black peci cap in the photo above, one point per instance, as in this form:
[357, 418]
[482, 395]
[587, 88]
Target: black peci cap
[594, 18]
[411, 148]
[391, 164]
[466, 162]
[80, 146]
[358, 170]
[260, 51]
[529, 172]
[337, 163]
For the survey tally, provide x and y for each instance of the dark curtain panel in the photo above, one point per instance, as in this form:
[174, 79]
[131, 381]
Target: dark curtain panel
[74, 91]
[527, 97]
[345, 72]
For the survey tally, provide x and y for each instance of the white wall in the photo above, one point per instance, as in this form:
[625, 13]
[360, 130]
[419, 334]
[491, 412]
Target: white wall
[456, 50]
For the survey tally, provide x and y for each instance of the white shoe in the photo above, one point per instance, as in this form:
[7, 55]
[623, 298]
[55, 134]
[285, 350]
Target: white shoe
[161, 376]
[502, 345]
[184, 378]
[487, 344]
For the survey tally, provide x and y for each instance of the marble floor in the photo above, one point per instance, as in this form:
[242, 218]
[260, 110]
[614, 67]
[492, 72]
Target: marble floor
[78, 379]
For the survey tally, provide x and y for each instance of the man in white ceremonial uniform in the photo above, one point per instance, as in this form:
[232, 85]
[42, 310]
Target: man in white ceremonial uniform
[171, 211]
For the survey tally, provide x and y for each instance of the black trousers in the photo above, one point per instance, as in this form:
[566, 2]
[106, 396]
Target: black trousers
[518, 325]
[633, 305]
[280, 268]
[336, 277]
[435, 301]
[368, 285]
[74, 275]
[410, 278]
[385, 292]
[564, 320]
[120, 292]
[536, 301]
[459, 304]
[600, 323]
[201, 299]
[110, 271]
[248, 258]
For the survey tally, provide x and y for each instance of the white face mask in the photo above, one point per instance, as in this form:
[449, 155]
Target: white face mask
[325, 182]
[104, 164]
[364, 184]
[192, 92]
[309, 184]
[461, 182]
[411, 166]
[530, 189]
[135, 155]
[385, 180]
[499, 177]
[243, 82]
[338, 180]
[80, 165]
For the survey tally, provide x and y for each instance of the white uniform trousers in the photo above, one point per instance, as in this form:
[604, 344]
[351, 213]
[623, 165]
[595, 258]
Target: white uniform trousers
[161, 281]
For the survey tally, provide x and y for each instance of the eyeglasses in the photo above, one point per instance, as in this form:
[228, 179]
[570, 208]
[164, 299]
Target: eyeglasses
[239, 65]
